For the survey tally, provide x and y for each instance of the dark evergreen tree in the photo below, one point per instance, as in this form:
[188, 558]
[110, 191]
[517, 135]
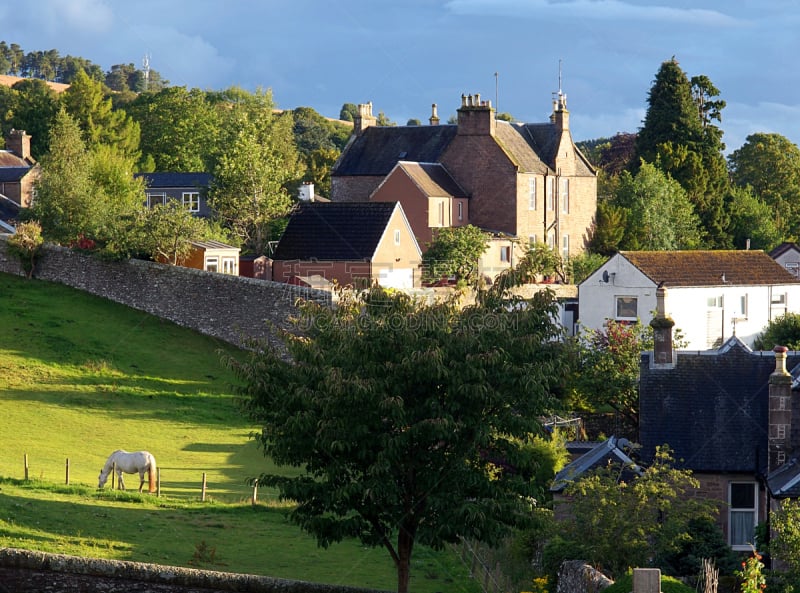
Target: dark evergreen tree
[678, 136]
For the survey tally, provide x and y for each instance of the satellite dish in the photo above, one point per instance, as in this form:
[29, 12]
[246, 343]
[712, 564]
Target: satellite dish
[605, 275]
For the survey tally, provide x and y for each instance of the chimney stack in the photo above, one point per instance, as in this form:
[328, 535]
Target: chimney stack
[306, 192]
[476, 117]
[434, 119]
[364, 119]
[19, 143]
[780, 412]
[662, 329]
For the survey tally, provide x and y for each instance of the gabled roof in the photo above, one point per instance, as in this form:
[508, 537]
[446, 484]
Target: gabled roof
[378, 148]
[784, 482]
[709, 268]
[175, 180]
[609, 451]
[432, 179]
[534, 147]
[9, 174]
[710, 407]
[334, 231]
[214, 245]
[784, 248]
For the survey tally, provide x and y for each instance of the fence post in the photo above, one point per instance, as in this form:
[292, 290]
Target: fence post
[255, 491]
[25, 462]
[158, 482]
[203, 490]
[113, 474]
[67, 478]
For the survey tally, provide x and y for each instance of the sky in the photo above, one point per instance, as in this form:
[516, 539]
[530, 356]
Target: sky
[405, 55]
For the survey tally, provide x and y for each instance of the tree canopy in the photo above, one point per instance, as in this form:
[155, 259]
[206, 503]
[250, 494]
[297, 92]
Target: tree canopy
[408, 421]
[454, 251]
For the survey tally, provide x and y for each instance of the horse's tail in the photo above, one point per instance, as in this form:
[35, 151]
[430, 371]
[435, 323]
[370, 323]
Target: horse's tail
[152, 473]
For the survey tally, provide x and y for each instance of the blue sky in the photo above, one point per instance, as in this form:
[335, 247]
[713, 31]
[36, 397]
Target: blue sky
[404, 55]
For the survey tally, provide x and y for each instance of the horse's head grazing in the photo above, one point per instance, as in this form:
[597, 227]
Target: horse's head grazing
[101, 480]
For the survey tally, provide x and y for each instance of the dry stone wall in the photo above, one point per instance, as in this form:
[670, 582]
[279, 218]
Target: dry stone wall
[232, 308]
[26, 571]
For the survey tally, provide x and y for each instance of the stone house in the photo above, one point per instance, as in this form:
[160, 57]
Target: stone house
[18, 169]
[526, 181]
[360, 244]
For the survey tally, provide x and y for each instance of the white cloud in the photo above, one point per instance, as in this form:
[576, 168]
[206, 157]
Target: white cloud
[78, 15]
[611, 10]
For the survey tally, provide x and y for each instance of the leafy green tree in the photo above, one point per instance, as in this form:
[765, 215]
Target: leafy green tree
[454, 251]
[607, 376]
[770, 165]
[659, 215]
[348, 112]
[407, 418]
[618, 154]
[85, 101]
[179, 129]
[752, 220]
[413, 122]
[663, 500]
[30, 105]
[785, 546]
[26, 244]
[251, 177]
[582, 265]
[167, 230]
[781, 331]
[383, 120]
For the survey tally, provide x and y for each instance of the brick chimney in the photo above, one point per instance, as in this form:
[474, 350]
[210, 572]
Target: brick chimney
[662, 329]
[364, 119]
[19, 143]
[476, 117]
[780, 412]
[434, 119]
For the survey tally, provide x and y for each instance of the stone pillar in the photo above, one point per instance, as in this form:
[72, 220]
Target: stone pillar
[646, 580]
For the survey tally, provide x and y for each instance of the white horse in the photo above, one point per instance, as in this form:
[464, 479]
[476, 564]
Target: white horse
[130, 463]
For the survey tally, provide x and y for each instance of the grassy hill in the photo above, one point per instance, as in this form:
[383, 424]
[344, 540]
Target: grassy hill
[80, 377]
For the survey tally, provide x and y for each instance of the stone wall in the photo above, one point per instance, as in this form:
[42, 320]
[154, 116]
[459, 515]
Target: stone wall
[24, 571]
[232, 308]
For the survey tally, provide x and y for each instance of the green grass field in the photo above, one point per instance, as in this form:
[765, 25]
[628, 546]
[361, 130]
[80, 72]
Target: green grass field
[80, 377]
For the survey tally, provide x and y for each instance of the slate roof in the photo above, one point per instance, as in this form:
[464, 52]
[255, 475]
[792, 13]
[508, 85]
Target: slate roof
[433, 179]
[334, 231]
[9, 159]
[212, 244]
[9, 210]
[609, 451]
[784, 482]
[377, 149]
[9, 174]
[710, 408]
[175, 180]
[710, 268]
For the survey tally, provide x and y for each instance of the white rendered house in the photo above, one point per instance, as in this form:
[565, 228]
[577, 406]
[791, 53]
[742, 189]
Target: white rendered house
[711, 295]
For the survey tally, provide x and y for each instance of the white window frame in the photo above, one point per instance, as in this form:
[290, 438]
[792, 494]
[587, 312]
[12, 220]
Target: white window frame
[191, 200]
[743, 302]
[151, 199]
[460, 210]
[632, 299]
[532, 193]
[550, 194]
[441, 213]
[397, 236]
[505, 253]
[740, 514]
[565, 246]
[564, 189]
[551, 240]
[229, 266]
[211, 264]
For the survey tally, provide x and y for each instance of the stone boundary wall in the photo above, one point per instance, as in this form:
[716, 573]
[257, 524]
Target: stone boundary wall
[232, 308]
[575, 576]
[25, 571]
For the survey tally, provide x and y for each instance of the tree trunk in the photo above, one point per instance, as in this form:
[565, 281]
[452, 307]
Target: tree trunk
[405, 543]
